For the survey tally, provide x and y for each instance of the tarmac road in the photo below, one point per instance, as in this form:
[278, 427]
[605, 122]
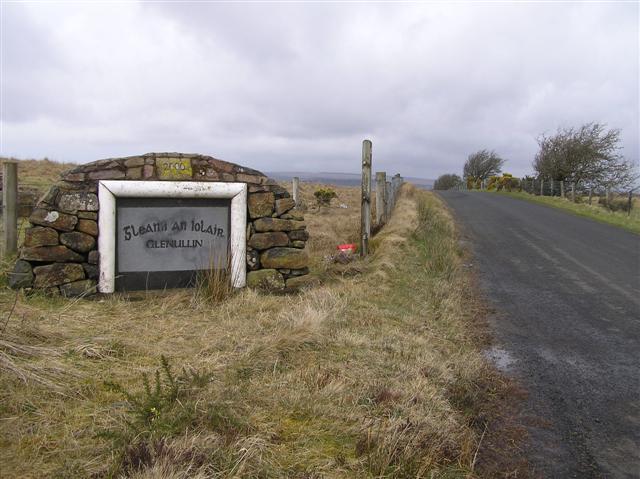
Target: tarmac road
[566, 295]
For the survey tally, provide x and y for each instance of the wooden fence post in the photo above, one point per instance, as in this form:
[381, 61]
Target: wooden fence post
[630, 205]
[365, 209]
[590, 192]
[381, 182]
[541, 187]
[296, 190]
[396, 183]
[562, 188]
[10, 206]
[573, 191]
[389, 199]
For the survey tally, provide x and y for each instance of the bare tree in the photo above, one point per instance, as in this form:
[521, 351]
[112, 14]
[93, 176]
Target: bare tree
[482, 164]
[447, 182]
[590, 153]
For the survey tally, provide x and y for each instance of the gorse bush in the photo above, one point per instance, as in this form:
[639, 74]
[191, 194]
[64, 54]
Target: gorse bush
[164, 409]
[505, 182]
[473, 183]
[324, 196]
[156, 409]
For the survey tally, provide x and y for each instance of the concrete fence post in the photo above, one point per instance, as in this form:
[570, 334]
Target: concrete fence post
[381, 182]
[389, 197]
[365, 209]
[10, 206]
[295, 187]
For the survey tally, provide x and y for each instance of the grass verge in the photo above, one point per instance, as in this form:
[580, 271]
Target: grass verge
[374, 375]
[621, 219]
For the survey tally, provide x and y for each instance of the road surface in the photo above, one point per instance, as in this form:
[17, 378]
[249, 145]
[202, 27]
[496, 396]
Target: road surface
[566, 295]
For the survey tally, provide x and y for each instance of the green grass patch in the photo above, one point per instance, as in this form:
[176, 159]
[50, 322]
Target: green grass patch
[629, 222]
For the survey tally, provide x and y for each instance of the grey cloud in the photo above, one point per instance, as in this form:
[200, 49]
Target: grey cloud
[298, 86]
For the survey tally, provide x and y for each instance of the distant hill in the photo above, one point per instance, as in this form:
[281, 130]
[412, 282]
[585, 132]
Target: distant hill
[342, 179]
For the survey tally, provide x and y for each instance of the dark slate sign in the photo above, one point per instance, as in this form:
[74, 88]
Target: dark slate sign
[165, 242]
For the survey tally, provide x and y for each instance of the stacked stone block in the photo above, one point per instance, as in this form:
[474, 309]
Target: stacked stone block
[59, 254]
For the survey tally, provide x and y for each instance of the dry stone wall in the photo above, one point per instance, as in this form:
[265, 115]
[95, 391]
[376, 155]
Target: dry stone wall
[59, 253]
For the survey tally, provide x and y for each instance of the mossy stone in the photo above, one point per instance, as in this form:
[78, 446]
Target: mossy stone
[265, 279]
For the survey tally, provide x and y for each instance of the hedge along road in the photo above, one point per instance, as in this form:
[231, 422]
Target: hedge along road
[565, 295]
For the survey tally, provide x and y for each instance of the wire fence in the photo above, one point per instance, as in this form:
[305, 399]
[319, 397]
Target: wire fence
[28, 196]
[583, 191]
[25, 202]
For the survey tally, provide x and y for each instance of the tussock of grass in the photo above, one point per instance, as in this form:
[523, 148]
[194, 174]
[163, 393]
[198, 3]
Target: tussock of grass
[215, 284]
[375, 375]
[594, 211]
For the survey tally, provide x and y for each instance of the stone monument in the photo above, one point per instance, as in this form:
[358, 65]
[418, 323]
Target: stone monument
[156, 221]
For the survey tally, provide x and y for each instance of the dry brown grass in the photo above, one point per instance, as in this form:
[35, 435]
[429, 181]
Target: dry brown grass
[40, 174]
[330, 225]
[375, 375]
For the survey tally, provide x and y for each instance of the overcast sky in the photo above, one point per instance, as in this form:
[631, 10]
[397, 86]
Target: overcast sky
[299, 86]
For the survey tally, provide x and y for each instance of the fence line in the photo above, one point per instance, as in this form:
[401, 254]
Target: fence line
[576, 190]
[386, 195]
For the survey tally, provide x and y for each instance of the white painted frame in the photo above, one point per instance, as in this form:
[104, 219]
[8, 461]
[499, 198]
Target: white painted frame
[109, 190]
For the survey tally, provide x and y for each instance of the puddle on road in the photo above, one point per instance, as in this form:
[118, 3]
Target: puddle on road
[502, 359]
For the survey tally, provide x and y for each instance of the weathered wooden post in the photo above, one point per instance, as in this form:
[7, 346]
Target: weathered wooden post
[573, 191]
[562, 188]
[389, 199]
[365, 209]
[295, 190]
[381, 182]
[396, 182]
[10, 206]
[541, 187]
[590, 192]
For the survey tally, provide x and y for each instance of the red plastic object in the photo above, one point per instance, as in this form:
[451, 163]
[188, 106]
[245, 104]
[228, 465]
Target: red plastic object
[347, 248]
